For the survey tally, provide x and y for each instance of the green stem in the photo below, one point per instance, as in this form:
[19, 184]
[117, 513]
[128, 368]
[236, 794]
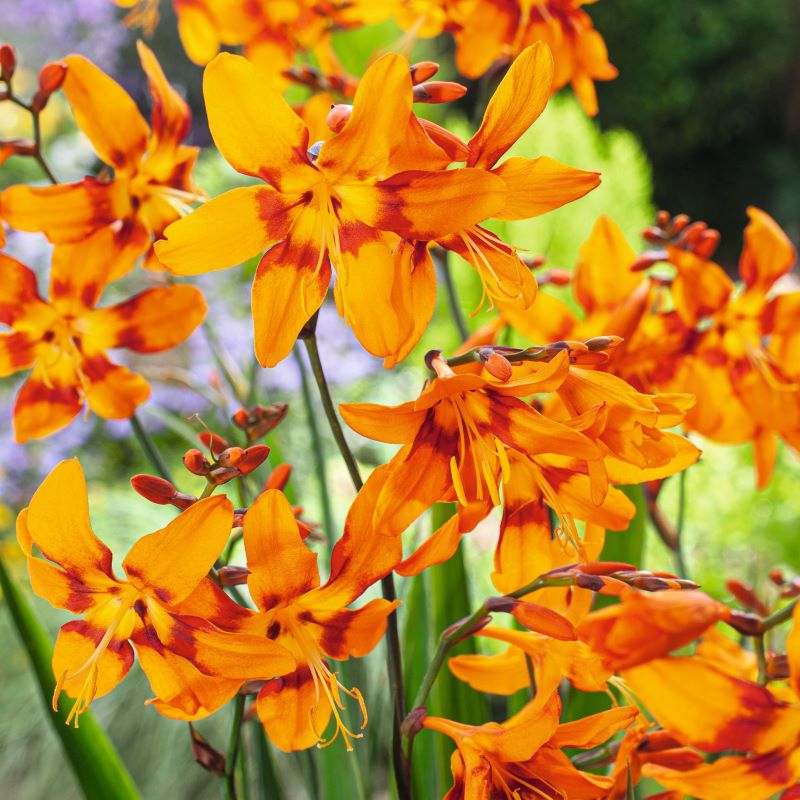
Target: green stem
[779, 616]
[680, 560]
[235, 382]
[452, 295]
[761, 659]
[393, 654]
[316, 445]
[233, 748]
[150, 449]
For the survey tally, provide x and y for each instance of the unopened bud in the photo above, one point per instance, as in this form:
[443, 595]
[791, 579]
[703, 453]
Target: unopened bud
[213, 441]
[423, 70]
[533, 262]
[650, 584]
[658, 740]
[252, 458]
[51, 77]
[205, 755]
[232, 576]
[605, 567]
[748, 624]
[258, 421]
[338, 116]
[746, 596]
[653, 235]
[595, 583]
[279, 477]
[598, 343]
[707, 243]
[647, 259]
[498, 366]
[679, 222]
[231, 456]
[662, 218]
[221, 475]
[8, 61]
[776, 576]
[196, 462]
[555, 277]
[438, 92]
[155, 489]
[503, 604]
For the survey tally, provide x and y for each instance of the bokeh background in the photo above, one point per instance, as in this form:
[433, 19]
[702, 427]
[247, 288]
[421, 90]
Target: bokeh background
[704, 119]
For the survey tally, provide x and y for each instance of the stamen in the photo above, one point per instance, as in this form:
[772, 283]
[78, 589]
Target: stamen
[505, 467]
[457, 484]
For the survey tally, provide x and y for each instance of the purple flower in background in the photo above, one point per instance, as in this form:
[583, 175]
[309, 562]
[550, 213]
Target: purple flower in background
[43, 30]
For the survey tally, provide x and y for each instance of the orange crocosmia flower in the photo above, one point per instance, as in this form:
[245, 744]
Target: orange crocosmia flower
[163, 605]
[523, 758]
[313, 621]
[341, 203]
[152, 170]
[64, 340]
[492, 29]
[644, 626]
[703, 705]
[455, 438]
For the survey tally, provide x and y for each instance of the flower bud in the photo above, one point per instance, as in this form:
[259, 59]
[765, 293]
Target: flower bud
[748, 624]
[155, 489]
[605, 567]
[423, 70]
[338, 116]
[196, 462]
[230, 457]
[653, 235]
[438, 92]
[555, 277]
[647, 259]
[252, 458]
[232, 575]
[501, 604]
[746, 596]
[597, 343]
[595, 583]
[279, 477]
[678, 223]
[662, 218]
[8, 61]
[51, 77]
[498, 366]
[258, 421]
[220, 475]
[213, 441]
[707, 243]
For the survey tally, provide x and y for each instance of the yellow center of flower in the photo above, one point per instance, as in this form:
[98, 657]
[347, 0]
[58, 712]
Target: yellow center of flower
[89, 670]
[327, 683]
[62, 340]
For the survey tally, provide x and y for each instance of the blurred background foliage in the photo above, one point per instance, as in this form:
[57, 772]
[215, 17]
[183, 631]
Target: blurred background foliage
[703, 119]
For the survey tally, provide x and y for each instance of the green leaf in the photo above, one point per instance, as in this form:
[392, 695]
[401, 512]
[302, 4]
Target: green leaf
[450, 601]
[93, 759]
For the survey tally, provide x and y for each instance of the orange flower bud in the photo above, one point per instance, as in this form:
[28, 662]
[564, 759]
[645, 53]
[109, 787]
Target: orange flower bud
[279, 477]
[423, 70]
[214, 442]
[605, 567]
[155, 489]
[196, 462]
[776, 576]
[746, 596]
[438, 92]
[8, 61]
[646, 260]
[51, 77]
[231, 456]
[662, 219]
[555, 277]
[597, 343]
[498, 366]
[232, 576]
[653, 235]
[679, 222]
[252, 458]
[338, 116]
[658, 740]
[707, 243]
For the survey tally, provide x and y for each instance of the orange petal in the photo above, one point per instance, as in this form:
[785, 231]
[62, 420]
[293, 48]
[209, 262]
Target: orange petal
[47, 402]
[545, 621]
[114, 391]
[346, 632]
[426, 205]
[768, 252]
[154, 320]
[20, 304]
[293, 713]
[392, 424]
[287, 290]
[17, 352]
[504, 674]
[253, 126]
[793, 650]
[436, 549]
[281, 566]
[595, 729]
[66, 212]
[198, 33]
[106, 113]
[538, 185]
[515, 106]
[170, 563]
[224, 232]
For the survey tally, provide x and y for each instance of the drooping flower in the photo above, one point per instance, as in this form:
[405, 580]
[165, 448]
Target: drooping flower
[523, 757]
[455, 436]
[64, 340]
[151, 185]
[313, 621]
[166, 606]
[341, 203]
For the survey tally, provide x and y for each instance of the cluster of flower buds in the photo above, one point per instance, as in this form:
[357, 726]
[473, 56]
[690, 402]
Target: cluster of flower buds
[51, 78]
[656, 747]
[614, 578]
[227, 461]
[258, 421]
[789, 587]
[498, 359]
[306, 75]
[678, 231]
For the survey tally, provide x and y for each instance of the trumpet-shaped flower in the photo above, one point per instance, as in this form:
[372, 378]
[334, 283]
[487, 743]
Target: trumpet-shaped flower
[340, 203]
[455, 438]
[165, 606]
[64, 340]
[151, 184]
[522, 758]
[313, 621]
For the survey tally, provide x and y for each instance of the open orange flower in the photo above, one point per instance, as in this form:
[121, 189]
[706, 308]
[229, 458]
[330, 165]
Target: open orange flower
[523, 758]
[166, 605]
[455, 436]
[152, 170]
[65, 340]
[333, 204]
[313, 621]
